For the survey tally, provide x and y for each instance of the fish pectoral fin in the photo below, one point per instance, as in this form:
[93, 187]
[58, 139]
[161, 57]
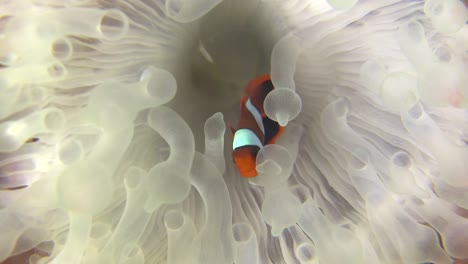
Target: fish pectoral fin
[233, 131]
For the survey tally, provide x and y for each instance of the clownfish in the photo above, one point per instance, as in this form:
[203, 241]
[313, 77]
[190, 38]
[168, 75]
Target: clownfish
[254, 129]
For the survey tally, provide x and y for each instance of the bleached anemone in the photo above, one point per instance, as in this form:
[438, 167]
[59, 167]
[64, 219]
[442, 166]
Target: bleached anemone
[114, 148]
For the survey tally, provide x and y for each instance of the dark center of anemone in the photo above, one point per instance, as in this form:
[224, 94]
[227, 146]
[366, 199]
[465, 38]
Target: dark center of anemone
[228, 49]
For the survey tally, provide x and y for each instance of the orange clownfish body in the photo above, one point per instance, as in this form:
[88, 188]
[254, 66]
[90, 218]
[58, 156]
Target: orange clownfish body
[254, 129]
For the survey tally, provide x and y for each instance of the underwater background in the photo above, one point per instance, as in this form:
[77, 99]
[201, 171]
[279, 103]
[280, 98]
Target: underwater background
[114, 147]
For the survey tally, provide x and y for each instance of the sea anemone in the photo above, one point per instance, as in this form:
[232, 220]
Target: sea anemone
[113, 142]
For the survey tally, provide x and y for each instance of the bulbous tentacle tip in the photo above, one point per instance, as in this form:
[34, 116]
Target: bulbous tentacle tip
[214, 126]
[399, 91]
[166, 184]
[186, 11]
[215, 129]
[113, 24]
[160, 84]
[269, 167]
[70, 151]
[274, 164]
[341, 107]
[276, 230]
[446, 16]
[174, 220]
[306, 253]
[282, 105]
[242, 232]
[415, 112]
